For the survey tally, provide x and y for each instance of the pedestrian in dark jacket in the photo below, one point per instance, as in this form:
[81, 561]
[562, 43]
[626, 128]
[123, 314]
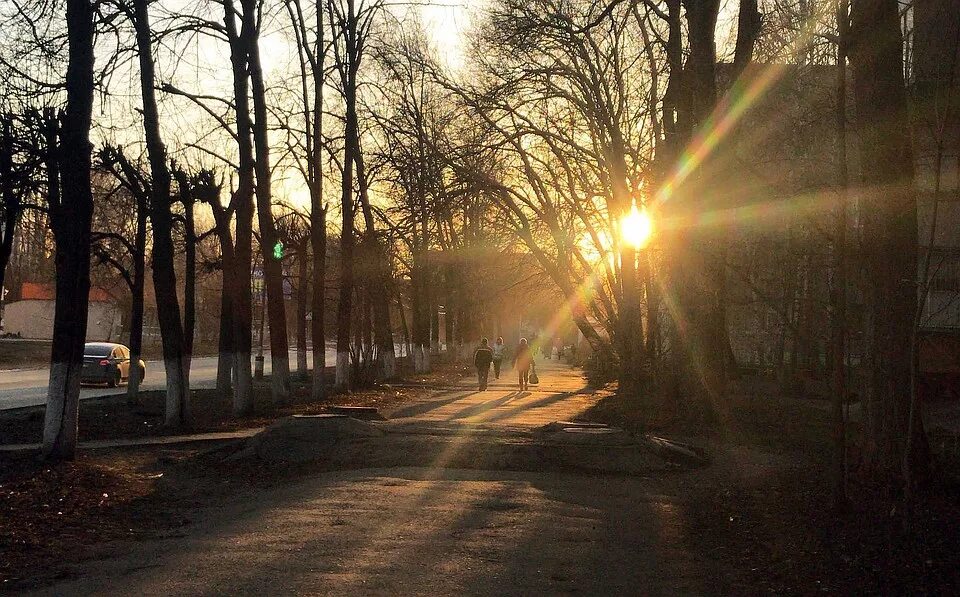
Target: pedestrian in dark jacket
[522, 360]
[482, 359]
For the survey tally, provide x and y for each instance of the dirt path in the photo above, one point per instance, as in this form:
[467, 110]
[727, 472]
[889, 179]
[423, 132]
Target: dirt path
[430, 529]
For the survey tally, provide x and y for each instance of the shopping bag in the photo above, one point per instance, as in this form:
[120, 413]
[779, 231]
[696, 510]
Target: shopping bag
[533, 376]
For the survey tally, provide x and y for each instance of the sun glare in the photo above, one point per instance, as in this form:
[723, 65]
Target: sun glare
[636, 227]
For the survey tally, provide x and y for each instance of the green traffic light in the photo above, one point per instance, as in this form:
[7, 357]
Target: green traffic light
[278, 251]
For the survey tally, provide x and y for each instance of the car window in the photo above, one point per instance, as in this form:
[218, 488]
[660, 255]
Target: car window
[96, 350]
[123, 352]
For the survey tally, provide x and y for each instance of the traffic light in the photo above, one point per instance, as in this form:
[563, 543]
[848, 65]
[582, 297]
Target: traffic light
[278, 251]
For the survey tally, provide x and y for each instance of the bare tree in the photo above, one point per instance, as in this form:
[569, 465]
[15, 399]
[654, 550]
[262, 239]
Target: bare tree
[351, 24]
[293, 230]
[175, 357]
[21, 159]
[272, 269]
[889, 242]
[312, 58]
[134, 181]
[70, 199]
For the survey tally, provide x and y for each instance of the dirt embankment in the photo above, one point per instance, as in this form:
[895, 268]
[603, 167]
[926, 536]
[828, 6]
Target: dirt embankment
[21, 354]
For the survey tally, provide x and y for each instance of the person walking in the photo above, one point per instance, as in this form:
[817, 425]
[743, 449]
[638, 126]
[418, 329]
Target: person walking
[498, 350]
[482, 359]
[522, 360]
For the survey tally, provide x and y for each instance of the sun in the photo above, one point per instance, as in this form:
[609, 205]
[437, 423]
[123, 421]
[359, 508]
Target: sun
[636, 227]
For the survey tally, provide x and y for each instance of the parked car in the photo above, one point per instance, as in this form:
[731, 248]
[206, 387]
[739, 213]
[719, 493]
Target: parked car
[109, 363]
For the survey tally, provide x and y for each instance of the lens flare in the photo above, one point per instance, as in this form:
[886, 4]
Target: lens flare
[636, 228]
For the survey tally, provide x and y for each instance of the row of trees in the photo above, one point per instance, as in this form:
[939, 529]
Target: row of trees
[165, 194]
[577, 112]
[564, 119]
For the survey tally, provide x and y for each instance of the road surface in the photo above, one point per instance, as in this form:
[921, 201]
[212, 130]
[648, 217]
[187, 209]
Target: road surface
[428, 529]
[28, 387]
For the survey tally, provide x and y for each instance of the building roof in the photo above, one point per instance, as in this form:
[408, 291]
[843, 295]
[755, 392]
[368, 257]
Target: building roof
[38, 291]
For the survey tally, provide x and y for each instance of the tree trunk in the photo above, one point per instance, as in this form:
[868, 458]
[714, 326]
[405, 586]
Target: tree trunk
[629, 336]
[365, 336]
[11, 199]
[225, 350]
[344, 305]
[699, 333]
[748, 29]
[421, 312]
[136, 292]
[303, 265]
[653, 311]
[407, 342]
[190, 267]
[272, 267]
[434, 322]
[378, 282]
[239, 277]
[189, 286]
[838, 286]
[451, 283]
[318, 240]
[164, 273]
[225, 335]
[318, 218]
[348, 73]
[71, 214]
[889, 230]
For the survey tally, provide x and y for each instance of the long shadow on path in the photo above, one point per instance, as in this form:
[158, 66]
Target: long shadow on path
[422, 408]
[423, 531]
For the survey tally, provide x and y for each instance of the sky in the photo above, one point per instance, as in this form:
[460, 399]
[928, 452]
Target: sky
[202, 66]
[206, 67]
[447, 21]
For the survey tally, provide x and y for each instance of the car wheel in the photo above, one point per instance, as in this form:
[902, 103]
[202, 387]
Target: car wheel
[115, 380]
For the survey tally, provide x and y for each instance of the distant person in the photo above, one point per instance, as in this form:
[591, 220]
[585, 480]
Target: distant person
[482, 359]
[522, 360]
[498, 351]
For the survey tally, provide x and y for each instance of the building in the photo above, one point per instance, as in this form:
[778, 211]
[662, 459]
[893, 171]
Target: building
[32, 315]
[777, 171]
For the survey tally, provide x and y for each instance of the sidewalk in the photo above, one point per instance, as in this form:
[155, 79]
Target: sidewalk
[561, 395]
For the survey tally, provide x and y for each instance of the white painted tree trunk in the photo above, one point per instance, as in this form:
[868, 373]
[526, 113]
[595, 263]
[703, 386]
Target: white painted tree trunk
[389, 364]
[343, 370]
[178, 391]
[280, 377]
[60, 422]
[417, 356]
[319, 375]
[427, 359]
[302, 362]
[133, 378]
[242, 384]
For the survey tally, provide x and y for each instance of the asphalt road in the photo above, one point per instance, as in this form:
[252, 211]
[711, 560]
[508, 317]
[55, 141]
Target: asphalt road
[28, 387]
[427, 529]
